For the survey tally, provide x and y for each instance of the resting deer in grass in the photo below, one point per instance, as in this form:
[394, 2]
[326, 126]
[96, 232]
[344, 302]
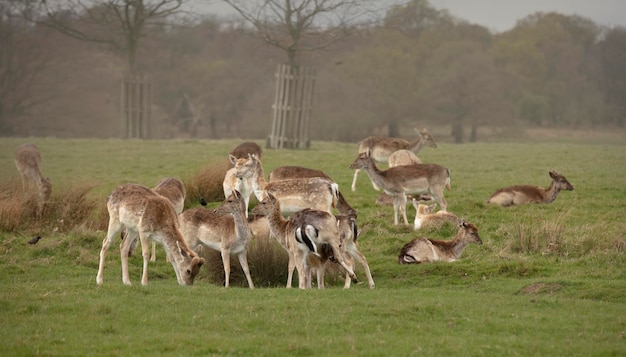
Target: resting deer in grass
[174, 190]
[522, 194]
[399, 181]
[143, 212]
[426, 217]
[303, 236]
[424, 250]
[297, 172]
[381, 147]
[28, 162]
[294, 194]
[224, 229]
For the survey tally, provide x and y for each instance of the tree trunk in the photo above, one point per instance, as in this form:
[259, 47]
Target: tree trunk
[474, 133]
[457, 131]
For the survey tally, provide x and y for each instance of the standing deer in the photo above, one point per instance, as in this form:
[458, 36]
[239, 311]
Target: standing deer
[303, 235]
[424, 250]
[174, 190]
[224, 229]
[522, 194]
[149, 215]
[297, 172]
[294, 194]
[397, 158]
[348, 233]
[28, 161]
[408, 179]
[243, 150]
[380, 148]
[241, 184]
[426, 218]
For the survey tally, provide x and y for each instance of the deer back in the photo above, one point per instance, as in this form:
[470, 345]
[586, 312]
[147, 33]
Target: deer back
[291, 172]
[174, 190]
[297, 194]
[403, 157]
[203, 226]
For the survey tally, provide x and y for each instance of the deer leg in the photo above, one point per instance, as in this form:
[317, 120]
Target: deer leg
[145, 253]
[361, 258]
[396, 207]
[291, 266]
[153, 254]
[243, 261]
[125, 246]
[402, 207]
[114, 228]
[339, 257]
[226, 261]
[356, 173]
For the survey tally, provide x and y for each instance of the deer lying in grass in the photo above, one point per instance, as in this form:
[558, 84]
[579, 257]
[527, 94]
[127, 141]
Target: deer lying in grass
[149, 215]
[425, 216]
[294, 194]
[296, 172]
[408, 179]
[423, 250]
[381, 147]
[523, 194]
[224, 229]
[174, 190]
[28, 162]
[303, 236]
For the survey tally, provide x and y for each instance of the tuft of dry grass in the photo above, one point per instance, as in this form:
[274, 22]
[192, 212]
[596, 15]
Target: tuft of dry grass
[206, 184]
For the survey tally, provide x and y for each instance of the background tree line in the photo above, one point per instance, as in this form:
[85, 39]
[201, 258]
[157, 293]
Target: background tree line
[418, 66]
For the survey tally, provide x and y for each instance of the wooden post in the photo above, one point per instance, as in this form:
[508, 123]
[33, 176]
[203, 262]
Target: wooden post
[136, 104]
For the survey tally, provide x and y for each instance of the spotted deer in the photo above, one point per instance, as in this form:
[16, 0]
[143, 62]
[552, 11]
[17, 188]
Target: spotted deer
[380, 148]
[523, 194]
[426, 217]
[294, 194]
[399, 181]
[425, 250]
[224, 229]
[148, 215]
[303, 235]
[28, 163]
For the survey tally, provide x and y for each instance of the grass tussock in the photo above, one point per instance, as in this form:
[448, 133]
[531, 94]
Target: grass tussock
[206, 184]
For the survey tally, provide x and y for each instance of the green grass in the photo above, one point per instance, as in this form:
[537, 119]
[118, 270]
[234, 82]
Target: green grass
[548, 280]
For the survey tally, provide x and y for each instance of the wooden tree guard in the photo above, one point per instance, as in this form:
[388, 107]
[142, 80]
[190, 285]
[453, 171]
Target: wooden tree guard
[136, 106]
[292, 108]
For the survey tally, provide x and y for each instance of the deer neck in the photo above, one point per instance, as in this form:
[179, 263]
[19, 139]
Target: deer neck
[242, 230]
[258, 182]
[416, 144]
[458, 244]
[551, 192]
[375, 174]
[278, 225]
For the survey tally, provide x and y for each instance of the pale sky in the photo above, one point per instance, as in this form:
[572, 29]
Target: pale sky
[501, 15]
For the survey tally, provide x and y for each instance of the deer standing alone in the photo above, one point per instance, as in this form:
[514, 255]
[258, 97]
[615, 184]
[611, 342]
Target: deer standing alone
[224, 229]
[28, 163]
[399, 181]
[380, 148]
[149, 215]
[523, 194]
[295, 235]
[424, 250]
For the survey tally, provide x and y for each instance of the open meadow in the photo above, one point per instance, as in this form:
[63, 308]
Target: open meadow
[548, 279]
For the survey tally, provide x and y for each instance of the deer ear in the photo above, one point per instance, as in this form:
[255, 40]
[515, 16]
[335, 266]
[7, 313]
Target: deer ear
[232, 159]
[462, 223]
[181, 250]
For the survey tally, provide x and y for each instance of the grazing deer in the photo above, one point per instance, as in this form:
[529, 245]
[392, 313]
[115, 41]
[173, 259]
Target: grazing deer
[348, 233]
[426, 218]
[303, 236]
[522, 194]
[149, 215]
[28, 161]
[241, 184]
[380, 148]
[408, 179]
[242, 151]
[293, 172]
[174, 190]
[224, 229]
[423, 250]
[294, 194]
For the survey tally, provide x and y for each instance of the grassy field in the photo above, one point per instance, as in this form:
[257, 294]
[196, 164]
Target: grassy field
[548, 280]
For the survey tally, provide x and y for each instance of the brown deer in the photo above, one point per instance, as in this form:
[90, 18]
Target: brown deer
[174, 190]
[425, 216]
[296, 172]
[424, 250]
[303, 235]
[143, 212]
[397, 158]
[28, 162]
[380, 148]
[523, 194]
[294, 194]
[408, 179]
[224, 229]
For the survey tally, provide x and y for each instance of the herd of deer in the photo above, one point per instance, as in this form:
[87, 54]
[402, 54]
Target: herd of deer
[294, 206]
